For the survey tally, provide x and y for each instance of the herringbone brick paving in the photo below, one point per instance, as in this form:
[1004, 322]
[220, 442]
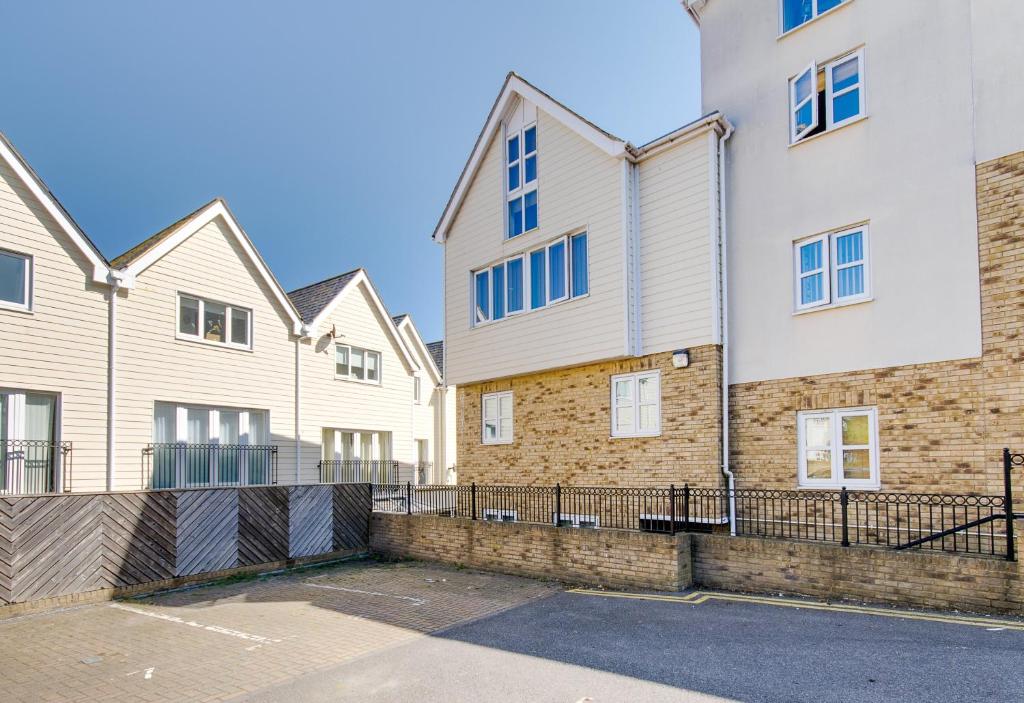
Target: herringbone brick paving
[222, 642]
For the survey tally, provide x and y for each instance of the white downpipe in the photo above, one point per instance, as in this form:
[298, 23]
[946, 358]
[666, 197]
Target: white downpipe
[298, 408]
[724, 261]
[115, 286]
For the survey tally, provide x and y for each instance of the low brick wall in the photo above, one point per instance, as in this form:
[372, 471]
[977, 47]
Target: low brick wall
[615, 558]
[829, 571]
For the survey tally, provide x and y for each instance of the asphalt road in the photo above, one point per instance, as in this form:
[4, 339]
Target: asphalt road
[573, 648]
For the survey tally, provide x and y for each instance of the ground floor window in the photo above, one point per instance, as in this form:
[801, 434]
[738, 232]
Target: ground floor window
[357, 456]
[29, 457]
[497, 418]
[201, 445]
[636, 404]
[838, 448]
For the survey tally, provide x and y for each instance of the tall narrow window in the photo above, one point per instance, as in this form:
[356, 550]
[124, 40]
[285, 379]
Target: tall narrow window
[514, 273]
[497, 418]
[803, 103]
[831, 269]
[538, 279]
[521, 181]
[838, 448]
[557, 289]
[15, 280]
[416, 390]
[482, 305]
[498, 299]
[636, 404]
[580, 275]
[843, 88]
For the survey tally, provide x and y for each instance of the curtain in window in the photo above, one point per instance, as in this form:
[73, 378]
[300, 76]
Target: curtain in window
[3, 440]
[39, 460]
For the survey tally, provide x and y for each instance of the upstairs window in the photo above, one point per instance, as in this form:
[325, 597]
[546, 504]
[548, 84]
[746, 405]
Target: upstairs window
[521, 181]
[356, 364]
[416, 389]
[831, 269]
[550, 274]
[217, 323]
[826, 97]
[15, 280]
[797, 12]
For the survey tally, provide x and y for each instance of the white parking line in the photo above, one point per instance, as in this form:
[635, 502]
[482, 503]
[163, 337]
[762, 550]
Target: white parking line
[192, 623]
[414, 601]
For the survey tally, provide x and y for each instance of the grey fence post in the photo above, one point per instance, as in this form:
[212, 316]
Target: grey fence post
[844, 503]
[1008, 503]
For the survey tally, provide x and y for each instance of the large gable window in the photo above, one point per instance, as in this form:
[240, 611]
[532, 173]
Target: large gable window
[202, 320]
[521, 181]
[823, 98]
[15, 280]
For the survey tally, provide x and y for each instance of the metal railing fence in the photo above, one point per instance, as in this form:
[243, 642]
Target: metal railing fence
[358, 471]
[184, 465]
[29, 466]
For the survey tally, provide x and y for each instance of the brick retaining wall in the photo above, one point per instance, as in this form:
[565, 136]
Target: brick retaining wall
[616, 558]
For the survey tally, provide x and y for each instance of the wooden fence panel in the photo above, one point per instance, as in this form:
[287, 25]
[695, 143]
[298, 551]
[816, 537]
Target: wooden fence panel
[352, 507]
[262, 525]
[139, 537]
[207, 537]
[310, 512]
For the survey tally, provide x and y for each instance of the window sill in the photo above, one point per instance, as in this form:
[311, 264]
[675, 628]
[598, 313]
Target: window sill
[833, 306]
[514, 237]
[526, 312]
[505, 441]
[635, 436]
[356, 380]
[14, 307]
[833, 130]
[811, 21]
[839, 486]
[208, 343]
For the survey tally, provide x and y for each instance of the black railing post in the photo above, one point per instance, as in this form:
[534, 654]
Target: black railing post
[408, 497]
[672, 508]
[844, 503]
[1008, 503]
[558, 505]
[686, 506]
[472, 500]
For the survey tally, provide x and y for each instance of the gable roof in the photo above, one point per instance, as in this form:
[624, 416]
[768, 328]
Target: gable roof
[399, 319]
[35, 184]
[140, 257]
[312, 299]
[436, 350]
[429, 362]
[513, 88]
[516, 87]
[318, 300]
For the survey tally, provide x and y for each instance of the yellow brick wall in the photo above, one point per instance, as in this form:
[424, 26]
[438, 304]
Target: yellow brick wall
[562, 428]
[941, 426]
[612, 558]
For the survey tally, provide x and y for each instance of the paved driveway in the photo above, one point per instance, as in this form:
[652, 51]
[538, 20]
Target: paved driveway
[413, 632]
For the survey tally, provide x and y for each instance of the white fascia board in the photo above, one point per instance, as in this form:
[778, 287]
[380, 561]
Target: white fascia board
[515, 87]
[421, 348]
[389, 325]
[100, 269]
[201, 219]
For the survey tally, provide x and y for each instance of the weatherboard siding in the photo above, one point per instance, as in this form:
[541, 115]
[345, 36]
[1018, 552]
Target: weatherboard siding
[153, 365]
[329, 402]
[676, 248]
[61, 346]
[580, 187]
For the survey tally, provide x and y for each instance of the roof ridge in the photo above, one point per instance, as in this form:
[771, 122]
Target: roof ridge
[126, 257]
[326, 280]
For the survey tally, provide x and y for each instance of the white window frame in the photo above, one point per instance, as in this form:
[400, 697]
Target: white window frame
[564, 241]
[815, 14]
[228, 322]
[366, 352]
[417, 390]
[526, 278]
[831, 268]
[29, 267]
[836, 447]
[635, 379]
[575, 519]
[794, 107]
[830, 95]
[498, 439]
[519, 193]
[499, 515]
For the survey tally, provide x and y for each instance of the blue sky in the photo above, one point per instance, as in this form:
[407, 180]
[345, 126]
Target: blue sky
[335, 130]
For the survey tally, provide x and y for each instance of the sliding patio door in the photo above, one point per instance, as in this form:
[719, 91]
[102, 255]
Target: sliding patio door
[29, 458]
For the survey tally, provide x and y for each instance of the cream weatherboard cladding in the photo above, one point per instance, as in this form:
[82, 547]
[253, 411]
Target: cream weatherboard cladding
[59, 347]
[580, 189]
[154, 365]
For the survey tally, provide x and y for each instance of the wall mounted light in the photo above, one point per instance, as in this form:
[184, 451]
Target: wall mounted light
[681, 358]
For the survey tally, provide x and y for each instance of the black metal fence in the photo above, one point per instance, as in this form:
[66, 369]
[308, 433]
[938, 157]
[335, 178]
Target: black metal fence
[183, 465]
[30, 466]
[953, 523]
[375, 471]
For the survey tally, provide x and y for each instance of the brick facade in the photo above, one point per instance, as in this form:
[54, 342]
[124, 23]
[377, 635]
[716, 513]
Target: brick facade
[941, 426]
[613, 558]
[562, 428]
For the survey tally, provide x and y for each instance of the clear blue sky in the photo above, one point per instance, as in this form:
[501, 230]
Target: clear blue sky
[335, 130]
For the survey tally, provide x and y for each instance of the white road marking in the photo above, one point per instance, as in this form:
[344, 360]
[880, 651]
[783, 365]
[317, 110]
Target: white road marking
[414, 601]
[192, 623]
[149, 672]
